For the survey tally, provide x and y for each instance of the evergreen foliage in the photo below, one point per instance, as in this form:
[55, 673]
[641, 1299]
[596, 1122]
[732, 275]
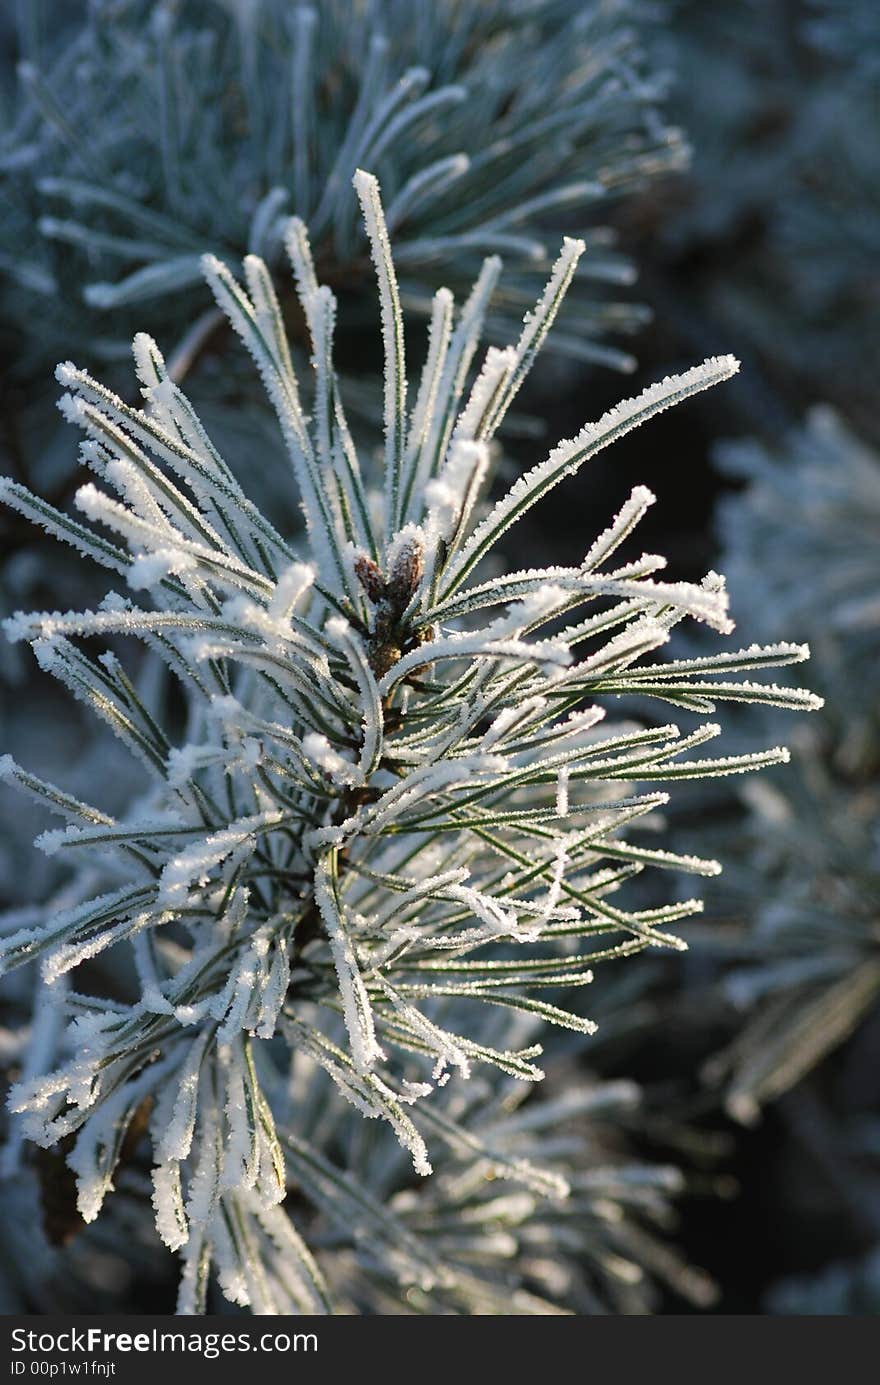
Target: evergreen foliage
[395, 812]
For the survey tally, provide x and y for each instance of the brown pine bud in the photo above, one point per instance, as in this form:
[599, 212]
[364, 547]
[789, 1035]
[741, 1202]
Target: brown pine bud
[407, 572]
[383, 656]
[370, 577]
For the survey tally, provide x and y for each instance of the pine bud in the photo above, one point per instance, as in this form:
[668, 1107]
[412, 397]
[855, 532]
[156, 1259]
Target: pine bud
[383, 656]
[370, 577]
[406, 573]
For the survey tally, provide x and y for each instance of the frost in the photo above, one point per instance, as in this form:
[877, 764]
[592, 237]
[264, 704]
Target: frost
[336, 767]
[356, 1005]
[562, 777]
[367, 189]
[452, 494]
[149, 569]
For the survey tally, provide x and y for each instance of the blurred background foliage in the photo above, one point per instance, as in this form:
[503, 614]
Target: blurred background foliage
[730, 152]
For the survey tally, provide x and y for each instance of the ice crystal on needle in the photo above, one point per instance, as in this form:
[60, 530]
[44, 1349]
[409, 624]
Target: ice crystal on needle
[395, 794]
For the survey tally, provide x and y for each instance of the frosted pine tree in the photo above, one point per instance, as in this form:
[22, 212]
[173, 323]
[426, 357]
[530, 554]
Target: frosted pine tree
[815, 492]
[395, 810]
[804, 865]
[136, 135]
[146, 133]
[778, 231]
[591, 1237]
